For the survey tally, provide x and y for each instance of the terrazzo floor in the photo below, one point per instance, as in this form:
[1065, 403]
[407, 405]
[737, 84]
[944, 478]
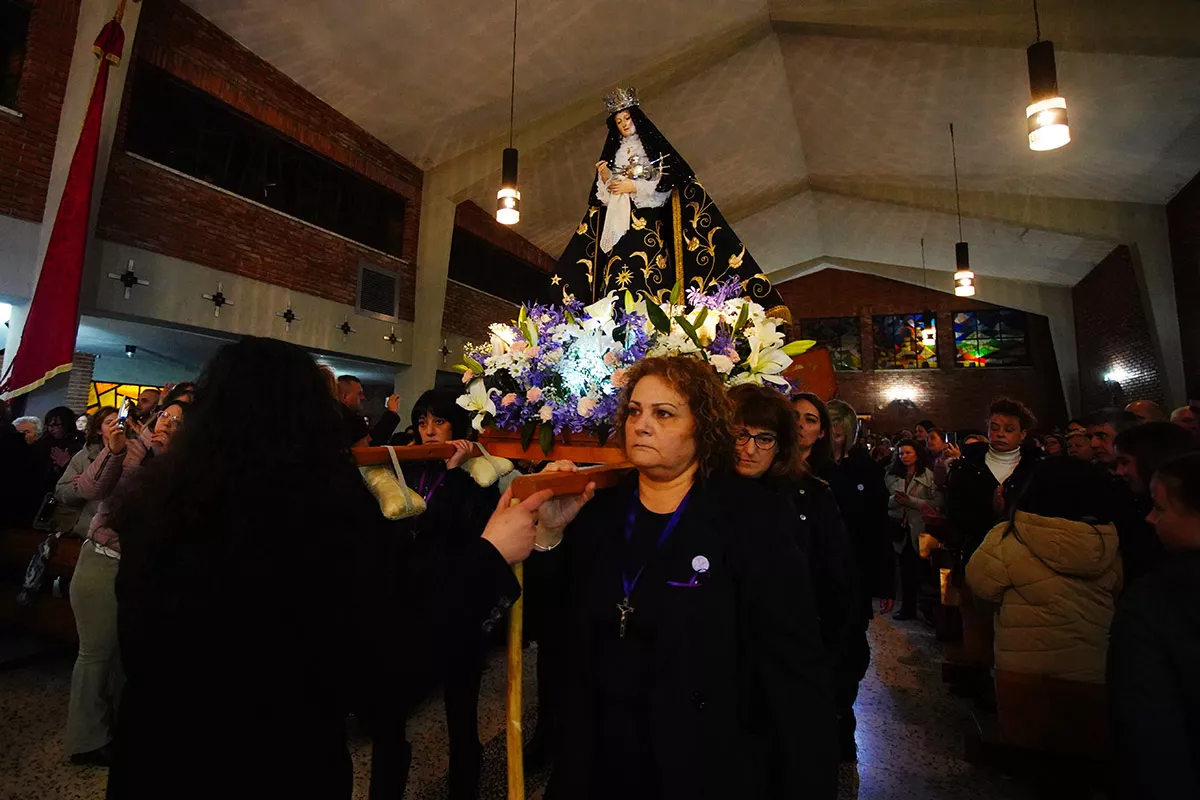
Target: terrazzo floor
[909, 734]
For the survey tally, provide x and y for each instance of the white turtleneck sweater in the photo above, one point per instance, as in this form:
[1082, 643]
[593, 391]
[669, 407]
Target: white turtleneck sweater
[1002, 464]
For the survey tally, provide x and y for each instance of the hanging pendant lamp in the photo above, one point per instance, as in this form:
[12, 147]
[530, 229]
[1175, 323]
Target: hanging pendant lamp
[1046, 114]
[964, 278]
[508, 199]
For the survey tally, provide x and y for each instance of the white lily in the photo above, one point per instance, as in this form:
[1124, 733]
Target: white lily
[478, 399]
[765, 361]
[599, 315]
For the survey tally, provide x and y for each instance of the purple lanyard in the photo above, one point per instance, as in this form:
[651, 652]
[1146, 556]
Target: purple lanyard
[421, 485]
[627, 583]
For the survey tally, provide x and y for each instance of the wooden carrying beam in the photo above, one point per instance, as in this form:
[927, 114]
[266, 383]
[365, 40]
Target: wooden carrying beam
[374, 456]
[503, 448]
[604, 476]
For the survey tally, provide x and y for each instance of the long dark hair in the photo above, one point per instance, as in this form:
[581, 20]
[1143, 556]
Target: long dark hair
[1151, 445]
[760, 407]
[222, 489]
[65, 416]
[441, 403]
[898, 468]
[822, 450]
[677, 171]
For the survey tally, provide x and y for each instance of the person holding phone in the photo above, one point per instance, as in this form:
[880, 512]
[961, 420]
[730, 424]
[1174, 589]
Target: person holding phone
[915, 498]
[98, 677]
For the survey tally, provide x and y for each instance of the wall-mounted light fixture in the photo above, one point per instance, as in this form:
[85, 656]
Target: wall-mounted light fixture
[1116, 375]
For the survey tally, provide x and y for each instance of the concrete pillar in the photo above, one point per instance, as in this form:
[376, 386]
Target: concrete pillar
[1152, 260]
[93, 14]
[433, 269]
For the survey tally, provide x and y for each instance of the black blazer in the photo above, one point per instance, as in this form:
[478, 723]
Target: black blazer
[741, 701]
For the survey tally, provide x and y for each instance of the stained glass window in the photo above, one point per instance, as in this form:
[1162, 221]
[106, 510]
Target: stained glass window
[990, 339]
[840, 336]
[906, 341]
[102, 394]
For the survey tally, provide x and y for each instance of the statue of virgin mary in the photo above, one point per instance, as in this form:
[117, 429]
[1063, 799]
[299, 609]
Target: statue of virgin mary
[649, 223]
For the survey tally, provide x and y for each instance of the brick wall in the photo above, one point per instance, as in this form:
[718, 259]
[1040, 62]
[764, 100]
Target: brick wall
[1183, 216]
[1111, 332]
[80, 381]
[953, 397]
[27, 142]
[152, 208]
[468, 312]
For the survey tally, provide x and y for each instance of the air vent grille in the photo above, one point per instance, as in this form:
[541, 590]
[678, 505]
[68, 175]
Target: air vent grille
[378, 292]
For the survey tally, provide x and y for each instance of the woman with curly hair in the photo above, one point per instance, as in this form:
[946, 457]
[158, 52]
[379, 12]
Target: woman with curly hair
[696, 662]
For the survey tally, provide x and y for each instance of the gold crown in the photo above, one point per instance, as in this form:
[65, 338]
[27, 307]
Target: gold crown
[620, 99]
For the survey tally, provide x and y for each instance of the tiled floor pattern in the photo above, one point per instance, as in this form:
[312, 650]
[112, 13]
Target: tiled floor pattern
[909, 733]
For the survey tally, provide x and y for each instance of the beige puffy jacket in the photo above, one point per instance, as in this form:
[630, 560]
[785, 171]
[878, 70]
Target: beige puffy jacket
[1056, 581]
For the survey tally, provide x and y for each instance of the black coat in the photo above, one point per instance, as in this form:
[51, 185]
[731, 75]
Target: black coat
[1154, 681]
[1141, 549]
[822, 536]
[858, 486]
[731, 673]
[243, 657]
[970, 489]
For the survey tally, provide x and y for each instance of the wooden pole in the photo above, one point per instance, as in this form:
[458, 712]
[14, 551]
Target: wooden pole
[513, 685]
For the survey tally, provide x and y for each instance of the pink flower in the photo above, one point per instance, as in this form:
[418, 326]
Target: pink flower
[619, 378]
[532, 352]
[468, 375]
[611, 358]
[534, 394]
[508, 399]
[518, 346]
[586, 406]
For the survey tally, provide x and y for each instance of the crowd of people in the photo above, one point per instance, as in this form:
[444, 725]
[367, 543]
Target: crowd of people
[239, 592]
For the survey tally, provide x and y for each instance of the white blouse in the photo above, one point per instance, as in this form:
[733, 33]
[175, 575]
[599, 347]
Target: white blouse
[647, 195]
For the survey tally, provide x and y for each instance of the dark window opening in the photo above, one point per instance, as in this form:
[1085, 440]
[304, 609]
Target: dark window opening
[14, 30]
[838, 335]
[179, 126]
[482, 265]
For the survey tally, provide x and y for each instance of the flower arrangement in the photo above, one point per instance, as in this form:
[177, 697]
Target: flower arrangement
[557, 369]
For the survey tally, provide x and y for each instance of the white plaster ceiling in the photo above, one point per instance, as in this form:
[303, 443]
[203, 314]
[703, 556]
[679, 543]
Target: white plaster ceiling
[769, 100]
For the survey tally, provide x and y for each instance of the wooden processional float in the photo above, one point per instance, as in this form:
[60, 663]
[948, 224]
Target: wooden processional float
[611, 466]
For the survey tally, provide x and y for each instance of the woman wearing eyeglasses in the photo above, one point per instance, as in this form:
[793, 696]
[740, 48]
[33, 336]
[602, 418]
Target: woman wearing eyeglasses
[769, 449]
[97, 679]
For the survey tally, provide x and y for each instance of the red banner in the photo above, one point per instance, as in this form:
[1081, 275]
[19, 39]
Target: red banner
[47, 345]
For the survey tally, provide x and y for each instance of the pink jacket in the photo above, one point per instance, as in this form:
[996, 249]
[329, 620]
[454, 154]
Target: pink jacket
[109, 475]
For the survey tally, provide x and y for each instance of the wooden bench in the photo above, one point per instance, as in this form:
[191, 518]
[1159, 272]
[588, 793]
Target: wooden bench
[47, 615]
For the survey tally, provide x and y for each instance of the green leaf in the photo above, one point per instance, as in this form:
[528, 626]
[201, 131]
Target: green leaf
[530, 333]
[676, 293]
[689, 330]
[658, 317]
[569, 317]
[797, 347]
[701, 317]
[473, 365]
[546, 437]
[628, 301]
[743, 318]
[527, 431]
[461, 367]
[522, 315]
[489, 421]
[602, 434]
